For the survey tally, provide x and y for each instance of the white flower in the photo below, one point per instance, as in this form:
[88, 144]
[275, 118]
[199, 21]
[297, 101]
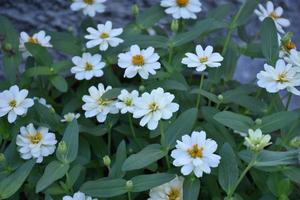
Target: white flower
[172, 190]
[256, 141]
[294, 58]
[286, 46]
[35, 143]
[87, 66]
[126, 101]
[78, 196]
[202, 58]
[95, 105]
[195, 154]
[43, 101]
[137, 61]
[154, 106]
[38, 38]
[185, 9]
[283, 76]
[89, 7]
[14, 102]
[103, 36]
[69, 117]
[274, 13]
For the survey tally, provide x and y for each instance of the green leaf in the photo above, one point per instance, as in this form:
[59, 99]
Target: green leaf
[293, 173]
[230, 61]
[104, 187]
[59, 83]
[200, 28]
[234, 121]
[145, 182]
[121, 155]
[9, 33]
[74, 174]
[220, 12]
[11, 184]
[271, 158]
[40, 54]
[11, 66]
[93, 130]
[112, 94]
[277, 121]
[191, 189]
[206, 94]
[149, 17]
[145, 157]
[145, 41]
[71, 138]
[269, 41]
[172, 85]
[182, 125]
[65, 42]
[246, 12]
[228, 169]
[38, 71]
[53, 172]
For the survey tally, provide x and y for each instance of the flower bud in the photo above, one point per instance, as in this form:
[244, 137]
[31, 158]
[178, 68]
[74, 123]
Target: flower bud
[2, 157]
[256, 141]
[62, 147]
[295, 142]
[106, 160]
[7, 47]
[142, 88]
[135, 10]
[258, 121]
[175, 25]
[220, 97]
[129, 185]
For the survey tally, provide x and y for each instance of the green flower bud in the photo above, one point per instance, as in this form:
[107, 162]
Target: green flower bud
[106, 160]
[220, 97]
[175, 25]
[295, 142]
[2, 157]
[7, 47]
[135, 10]
[142, 88]
[62, 147]
[129, 185]
[258, 121]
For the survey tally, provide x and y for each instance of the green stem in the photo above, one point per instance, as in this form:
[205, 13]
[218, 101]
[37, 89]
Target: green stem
[199, 94]
[249, 166]
[129, 195]
[170, 55]
[163, 141]
[131, 126]
[109, 141]
[227, 41]
[288, 101]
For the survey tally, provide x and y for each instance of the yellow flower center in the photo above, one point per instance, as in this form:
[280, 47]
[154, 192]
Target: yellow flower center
[104, 35]
[195, 151]
[103, 102]
[33, 40]
[282, 78]
[35, 139]
[153, 107]
[138, 60]
[12, 103]
[274, 15]
[182, 3]
[289, 46]
[88, 67]
[174, 194]
[203, 59]
[90, 2]
[128, 102]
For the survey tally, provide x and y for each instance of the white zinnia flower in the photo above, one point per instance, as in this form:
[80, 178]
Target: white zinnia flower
[139, 61]
[14, 102]
[202, 58]
[69, 117]
[185, 9]
[294, 58]
[283, 76]
[172, 190]
[95, 105]
[38, 38]
[274, 13]
[154, 106]
[78, 196]
[87, 66]
[89, 7]
[195, 154]
[35, 143]
[256, 141]
[126, 101]
[103, 36]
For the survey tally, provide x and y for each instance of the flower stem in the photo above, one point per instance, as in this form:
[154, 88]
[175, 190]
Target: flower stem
[131, 126]
[109, 141]
[288, 102]
[163, 141]
[199, 94]
[129, 195]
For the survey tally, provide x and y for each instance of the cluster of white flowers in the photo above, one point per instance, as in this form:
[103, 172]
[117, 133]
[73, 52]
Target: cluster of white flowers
[78, 196]
[286, 72]
[186, 9]
[89, 7]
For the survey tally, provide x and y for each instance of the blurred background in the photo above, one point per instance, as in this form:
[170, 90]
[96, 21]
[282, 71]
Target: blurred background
[35, 15]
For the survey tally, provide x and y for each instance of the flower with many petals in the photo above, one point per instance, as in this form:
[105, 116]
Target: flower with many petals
[274, 13]
[186, 9]
[126, 101]
[103, 36]
[14, 102]
[154, 106]
[87, 66]
[69, 117]
[256, 141]
[89, 7]
[202, 59]
[139, 61]
[35, 143]
[195, 154]
[172, 190]
[283, 76]
[78, 196]
[96, 105]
